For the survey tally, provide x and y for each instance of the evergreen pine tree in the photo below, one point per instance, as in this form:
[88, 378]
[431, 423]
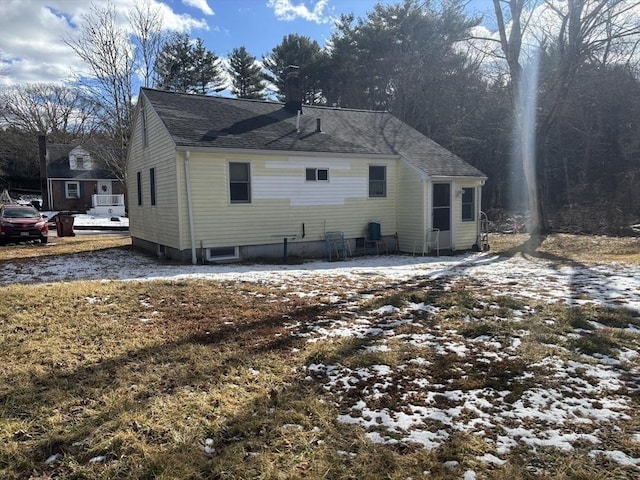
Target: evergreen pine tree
[246, 75]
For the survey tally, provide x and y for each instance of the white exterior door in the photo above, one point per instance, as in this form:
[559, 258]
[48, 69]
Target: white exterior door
[104, 187]
[441, 213]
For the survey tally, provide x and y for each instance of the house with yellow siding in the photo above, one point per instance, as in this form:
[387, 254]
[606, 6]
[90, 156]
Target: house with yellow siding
[219, 179]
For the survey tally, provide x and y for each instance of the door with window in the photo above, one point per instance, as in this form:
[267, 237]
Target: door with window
[104, 187]
[441, 212]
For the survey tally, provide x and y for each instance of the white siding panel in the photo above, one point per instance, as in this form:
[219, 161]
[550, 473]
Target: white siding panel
[282, 203]
[299, 192]
[300, 163]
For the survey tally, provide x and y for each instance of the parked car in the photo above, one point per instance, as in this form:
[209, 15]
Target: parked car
[22, 222]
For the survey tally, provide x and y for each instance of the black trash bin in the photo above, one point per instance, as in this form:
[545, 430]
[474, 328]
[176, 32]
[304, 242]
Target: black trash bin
[64, 225]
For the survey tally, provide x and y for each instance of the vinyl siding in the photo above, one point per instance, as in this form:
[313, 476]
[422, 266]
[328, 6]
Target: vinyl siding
[155, 223]
[411, 205]
[282, 200]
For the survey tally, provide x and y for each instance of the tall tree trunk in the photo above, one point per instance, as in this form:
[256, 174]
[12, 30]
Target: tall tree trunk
[522, 94]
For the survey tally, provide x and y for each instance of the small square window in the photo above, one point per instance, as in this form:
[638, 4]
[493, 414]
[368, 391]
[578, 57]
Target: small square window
[311, 174]
[317, 175]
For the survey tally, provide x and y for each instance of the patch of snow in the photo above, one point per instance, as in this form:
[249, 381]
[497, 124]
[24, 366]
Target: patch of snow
[580, 395]
[617, 456]
[489, 458]
[53, 458]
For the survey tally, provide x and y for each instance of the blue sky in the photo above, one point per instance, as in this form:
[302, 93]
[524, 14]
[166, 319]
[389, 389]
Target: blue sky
[32, 48]
[260, 25]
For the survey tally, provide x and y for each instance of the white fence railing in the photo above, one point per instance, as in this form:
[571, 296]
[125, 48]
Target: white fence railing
[107, 200]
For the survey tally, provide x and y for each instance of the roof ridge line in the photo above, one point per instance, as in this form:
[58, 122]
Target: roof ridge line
[252, 100]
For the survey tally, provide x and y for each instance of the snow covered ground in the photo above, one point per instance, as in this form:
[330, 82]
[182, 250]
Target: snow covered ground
[584, 401]
[94, 222]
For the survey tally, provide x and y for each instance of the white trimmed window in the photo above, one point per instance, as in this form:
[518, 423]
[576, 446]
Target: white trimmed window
[377, 181]
[222, 253]
[72, 189]
[239, 182]
[317, 174]
[468, 204]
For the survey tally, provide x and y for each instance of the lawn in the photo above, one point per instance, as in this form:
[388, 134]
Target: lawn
[518, 363]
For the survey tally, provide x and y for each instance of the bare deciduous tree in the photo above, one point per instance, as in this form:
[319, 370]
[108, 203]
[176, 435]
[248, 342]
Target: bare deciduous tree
[61, 112]
[146, 22]
[103, 45]
[586, 31]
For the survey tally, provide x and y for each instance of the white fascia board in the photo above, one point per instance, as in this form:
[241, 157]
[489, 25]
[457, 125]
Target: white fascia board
[458, 177]
[280, 153]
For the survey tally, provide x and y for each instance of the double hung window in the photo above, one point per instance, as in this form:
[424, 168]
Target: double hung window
[377, 181]
[239, 182]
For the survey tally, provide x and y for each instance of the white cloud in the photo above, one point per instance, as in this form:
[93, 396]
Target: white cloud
[32, 49]
[201, 5]
[175, 22]
[288, 10]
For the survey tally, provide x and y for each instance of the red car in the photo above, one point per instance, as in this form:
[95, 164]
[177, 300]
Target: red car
[22, 222]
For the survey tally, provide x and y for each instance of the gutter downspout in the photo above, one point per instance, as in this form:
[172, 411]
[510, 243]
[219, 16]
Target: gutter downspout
[194, 258]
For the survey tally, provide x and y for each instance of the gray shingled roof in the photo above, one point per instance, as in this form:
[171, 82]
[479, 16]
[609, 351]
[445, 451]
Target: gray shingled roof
[58, 165]
[218, 122]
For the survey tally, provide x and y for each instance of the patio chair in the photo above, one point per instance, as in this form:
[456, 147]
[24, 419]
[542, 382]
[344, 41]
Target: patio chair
[431, 241]
[373, 237]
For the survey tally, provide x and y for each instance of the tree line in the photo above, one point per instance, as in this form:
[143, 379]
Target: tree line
[566, 147]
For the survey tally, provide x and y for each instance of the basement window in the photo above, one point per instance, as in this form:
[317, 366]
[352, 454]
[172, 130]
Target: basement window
[317, 175]
[215, 254]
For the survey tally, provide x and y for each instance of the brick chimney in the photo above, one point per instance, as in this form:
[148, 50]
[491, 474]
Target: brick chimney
[293, 90]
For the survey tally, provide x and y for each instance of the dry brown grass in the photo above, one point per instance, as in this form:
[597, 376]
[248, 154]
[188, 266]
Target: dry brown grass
[579, 248]
[575, 248]
[64, 245]
[130, 379]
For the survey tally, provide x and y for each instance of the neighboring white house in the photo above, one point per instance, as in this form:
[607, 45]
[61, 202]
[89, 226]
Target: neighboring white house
[212, 178]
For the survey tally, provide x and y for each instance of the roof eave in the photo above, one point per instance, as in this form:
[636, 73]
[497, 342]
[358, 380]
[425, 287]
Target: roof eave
[250, 151]
[482, 177]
